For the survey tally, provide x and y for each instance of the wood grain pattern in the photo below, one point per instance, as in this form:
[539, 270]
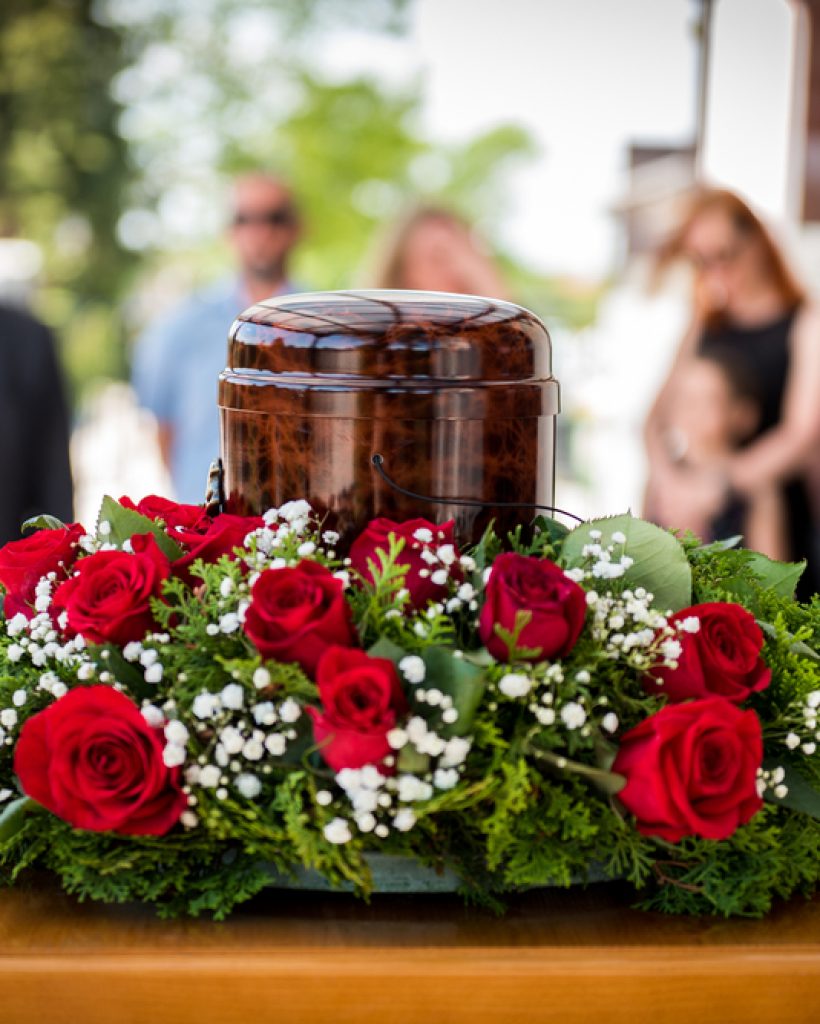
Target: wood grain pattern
[568, 956]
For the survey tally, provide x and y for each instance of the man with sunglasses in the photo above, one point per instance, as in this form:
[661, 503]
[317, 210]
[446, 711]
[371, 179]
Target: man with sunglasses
[178, 359]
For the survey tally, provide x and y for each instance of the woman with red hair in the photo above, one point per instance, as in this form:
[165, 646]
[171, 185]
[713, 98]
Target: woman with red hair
[748, 305]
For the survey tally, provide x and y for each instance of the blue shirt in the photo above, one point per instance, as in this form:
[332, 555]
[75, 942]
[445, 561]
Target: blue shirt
[176, 367]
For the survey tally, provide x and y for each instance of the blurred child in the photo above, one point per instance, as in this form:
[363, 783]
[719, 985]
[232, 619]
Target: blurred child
[715, 410]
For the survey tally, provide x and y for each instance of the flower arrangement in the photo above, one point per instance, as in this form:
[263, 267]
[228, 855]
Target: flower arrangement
[189, 703]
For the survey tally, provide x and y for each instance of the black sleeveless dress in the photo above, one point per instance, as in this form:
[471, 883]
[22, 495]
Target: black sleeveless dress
[764, 352]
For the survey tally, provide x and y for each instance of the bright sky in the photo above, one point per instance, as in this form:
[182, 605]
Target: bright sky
[585, 77]
[582, 78]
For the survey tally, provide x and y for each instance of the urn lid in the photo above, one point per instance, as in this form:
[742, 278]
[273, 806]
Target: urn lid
[396, 336]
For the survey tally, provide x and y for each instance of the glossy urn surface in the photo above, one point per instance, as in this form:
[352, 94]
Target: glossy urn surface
[454, 392]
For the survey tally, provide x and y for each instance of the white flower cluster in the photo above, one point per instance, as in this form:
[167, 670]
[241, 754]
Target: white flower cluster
[773, 780]
[626, 624]
[243, 735]
[571, 711]
[602, 561]
[380, 802]
[441, 565]
[288, 532]
[414, 670]
[92, 543]
[629, 629]
[38, 641]
[807, 736]
[147, 657]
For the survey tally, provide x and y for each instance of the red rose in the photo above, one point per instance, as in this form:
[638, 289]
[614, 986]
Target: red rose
[24, 562]
[108, 599]
[556, 604]
[418, 581]
[721, 659]
[93, 760]
[691, 769]
[362, 700]
[212, 539]
[296, 613]
[179, 519]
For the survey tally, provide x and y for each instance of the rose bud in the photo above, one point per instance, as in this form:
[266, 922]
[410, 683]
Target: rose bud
[557, 607]
[362, 701]
[722, 658]
[296, 613]
[419, 536]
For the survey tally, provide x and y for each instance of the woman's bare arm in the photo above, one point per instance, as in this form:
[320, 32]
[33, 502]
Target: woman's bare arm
[765, 527]
[784, 450]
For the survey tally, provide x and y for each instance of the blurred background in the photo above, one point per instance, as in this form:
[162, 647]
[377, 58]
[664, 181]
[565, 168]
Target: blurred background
[568, 133]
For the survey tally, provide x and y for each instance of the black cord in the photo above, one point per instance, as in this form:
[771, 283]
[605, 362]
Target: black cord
[378, 462]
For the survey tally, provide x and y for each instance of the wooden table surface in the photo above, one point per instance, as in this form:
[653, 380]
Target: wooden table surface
[570, 956]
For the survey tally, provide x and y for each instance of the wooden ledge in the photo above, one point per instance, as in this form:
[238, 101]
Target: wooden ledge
[570, 956]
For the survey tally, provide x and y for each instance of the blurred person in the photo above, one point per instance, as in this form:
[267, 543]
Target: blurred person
[433, 249]
[747, 302]
[34, 426]
[714, 409]
[177, 360]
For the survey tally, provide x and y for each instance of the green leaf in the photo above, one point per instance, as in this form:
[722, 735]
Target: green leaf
[660, 563]
[410, 760]
[801, 795]
[511, 637]
[796, 647]
[487, 548]
[779, 577]
[727, 544]
[461, 680]
[606, 781]
[128, 674]
[384, 648]
[605, 752]
[552, 528]
[14, 814]
[126, 523]
[481, 657]
[768, 576]
[43, 522]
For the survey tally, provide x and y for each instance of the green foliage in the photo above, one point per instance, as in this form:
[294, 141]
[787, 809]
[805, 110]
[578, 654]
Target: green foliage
[455, 676]
[178, 876]
[64, 168]
[660, 564]
[774, 855]
[500, 771]
[801, 796]
[42, 522]
[748, 576]
[125, 523]
[95, 134]
[459, 679]
[13, 817]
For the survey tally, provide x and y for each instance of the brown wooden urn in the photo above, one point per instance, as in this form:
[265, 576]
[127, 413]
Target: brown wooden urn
[454, 392]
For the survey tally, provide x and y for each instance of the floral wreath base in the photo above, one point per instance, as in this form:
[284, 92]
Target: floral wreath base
[394, 874]
[389, 873]
[194, 708]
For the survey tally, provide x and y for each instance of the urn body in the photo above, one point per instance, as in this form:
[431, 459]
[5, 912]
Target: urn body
[455, 393]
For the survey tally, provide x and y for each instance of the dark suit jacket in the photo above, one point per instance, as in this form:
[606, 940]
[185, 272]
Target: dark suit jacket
[35, 474]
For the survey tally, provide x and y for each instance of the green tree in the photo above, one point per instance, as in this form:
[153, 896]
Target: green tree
[64, 167]
[121, 121]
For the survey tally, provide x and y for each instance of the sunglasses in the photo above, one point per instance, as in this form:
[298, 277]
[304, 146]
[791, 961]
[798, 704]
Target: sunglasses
[280, 217]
